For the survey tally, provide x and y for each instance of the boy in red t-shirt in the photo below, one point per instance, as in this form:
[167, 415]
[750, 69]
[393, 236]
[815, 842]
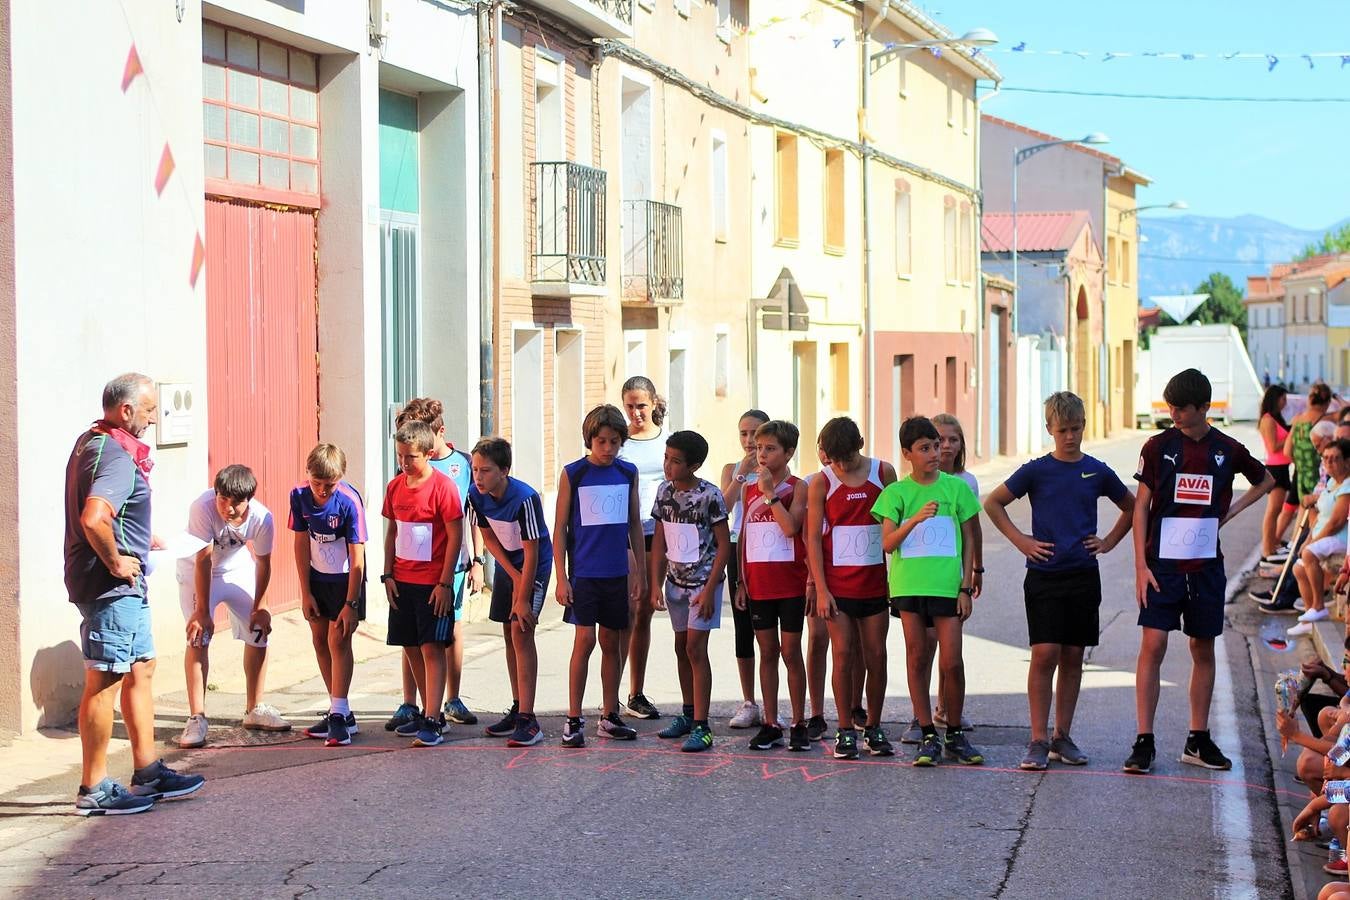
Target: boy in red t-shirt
[425, 522]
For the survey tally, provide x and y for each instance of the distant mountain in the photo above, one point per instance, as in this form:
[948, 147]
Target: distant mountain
[1180, 252]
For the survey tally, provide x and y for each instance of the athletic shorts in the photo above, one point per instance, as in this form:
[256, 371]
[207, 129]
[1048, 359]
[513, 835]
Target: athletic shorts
[1062, 607]
[1281, 473]
[743, 624]
[929, 608]
[331, 596]
[116, 633]
[234, 590]
[788, 614]
[599, 601]
[503, 594]
[861, 609]
[1189, 601]
[1326, 547]
[414, 623]
[680, 603]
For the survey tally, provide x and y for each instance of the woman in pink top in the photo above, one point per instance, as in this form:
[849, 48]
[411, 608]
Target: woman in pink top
[1274, 430]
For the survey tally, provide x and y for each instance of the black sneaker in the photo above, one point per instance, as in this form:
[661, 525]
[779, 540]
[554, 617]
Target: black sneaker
[337, 736]
[1262, 596]
[846, 744]
[876, 742]
[859, 718]
[506, 726]
[1274, 608]
[574, 734]
[768, 737]
[930, 751]
[1202, 751]
[959, 748]
[639, 707]
[158, 782]
[319, 730]
[816, 728]
[1140, 760]
[798, 741]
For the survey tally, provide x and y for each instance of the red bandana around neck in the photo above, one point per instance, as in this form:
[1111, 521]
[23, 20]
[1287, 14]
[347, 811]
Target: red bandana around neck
[139, 452]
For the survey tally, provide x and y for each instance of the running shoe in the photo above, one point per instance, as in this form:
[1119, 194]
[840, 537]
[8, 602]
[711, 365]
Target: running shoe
[929, 752]
[338, 735]
[411, 727]
[265, 718]
[1063, 749]
[1140, 760]
[319, 730]
[876, 742]
[406, 712]
[108, 798]
[913, 733]
[574, 734]
[859, 718]
[1272, 608]
[959, 748]
[194, 732]
[678, 727]
[700, 739]
[747, 716]
[1262, 596]
[527, 732]
[616, 729]
[639, 707]
[455, 711]
[506, 726]
[158, 782]
[816, 728]
[1037, 758]
[1202, 751]
[1298, 605]
[1336, 867]
[768, 737]
[798, 739]
[430, 733]
[846, 743]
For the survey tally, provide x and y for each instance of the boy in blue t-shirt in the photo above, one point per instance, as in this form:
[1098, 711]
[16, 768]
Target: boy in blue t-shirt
[1063, 588]
[329, 521]
[598, 521]
[510, 515]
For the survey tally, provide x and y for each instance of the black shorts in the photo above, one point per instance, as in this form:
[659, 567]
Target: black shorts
[860, 609]
[331, 596]
[929, 608]
[1190, 601]
[413, 623]
[740, 618]
[503, 594]
[789, 614]
[1062, 607]
[599, 601]
[1281, 473]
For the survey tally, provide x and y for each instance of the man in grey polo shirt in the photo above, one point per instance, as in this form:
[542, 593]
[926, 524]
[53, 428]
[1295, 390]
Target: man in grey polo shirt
[107, 544]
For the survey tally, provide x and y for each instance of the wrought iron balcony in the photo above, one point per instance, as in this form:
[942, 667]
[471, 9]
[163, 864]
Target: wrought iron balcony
[597, 18]
[619, 9]
[569, 223]
[653, 252]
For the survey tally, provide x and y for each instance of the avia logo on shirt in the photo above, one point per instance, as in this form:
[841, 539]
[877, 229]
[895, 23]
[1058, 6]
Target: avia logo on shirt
[1195, 489]
[860, 495]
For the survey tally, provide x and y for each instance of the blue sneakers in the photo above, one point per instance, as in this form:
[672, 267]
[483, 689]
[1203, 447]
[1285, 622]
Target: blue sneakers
[405, 713]
[338, 733]
[429, 735]
[158, 782]
[678, 727]
[457, 712]
[411, 727]
[700, 739]
[108, 798]
[527, 733]
[319, 730]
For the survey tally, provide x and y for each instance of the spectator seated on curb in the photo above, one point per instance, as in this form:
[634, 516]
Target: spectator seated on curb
[1305, 826]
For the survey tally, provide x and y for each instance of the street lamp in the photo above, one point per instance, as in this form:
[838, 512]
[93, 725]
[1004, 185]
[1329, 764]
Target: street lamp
[1020, 156]
[1175, 204]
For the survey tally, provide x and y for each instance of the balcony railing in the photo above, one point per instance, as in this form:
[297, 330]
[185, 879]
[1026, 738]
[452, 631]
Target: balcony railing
[619, 9]
[569, 223]
[653, 252]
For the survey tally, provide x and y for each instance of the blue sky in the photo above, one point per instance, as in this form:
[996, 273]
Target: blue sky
[1286, 161]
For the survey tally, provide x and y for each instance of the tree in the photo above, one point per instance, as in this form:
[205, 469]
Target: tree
[1337, 241]
[1223, 306]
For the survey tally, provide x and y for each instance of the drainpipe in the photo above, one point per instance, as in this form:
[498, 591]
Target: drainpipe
[981, 413]
[869, 368]
[489, 27]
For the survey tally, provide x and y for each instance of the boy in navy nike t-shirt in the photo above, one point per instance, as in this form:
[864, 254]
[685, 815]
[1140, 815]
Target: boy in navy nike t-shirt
[1063, 587]
[1185, 480]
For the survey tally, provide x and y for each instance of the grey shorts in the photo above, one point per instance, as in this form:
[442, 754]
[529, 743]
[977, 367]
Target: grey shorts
[116, 633]
[678, 603]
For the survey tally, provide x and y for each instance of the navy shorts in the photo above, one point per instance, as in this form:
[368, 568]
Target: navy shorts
[1189, 601]
[116, 633]
[413, 623]
[599, 601]
[503, 592]
[332, 595]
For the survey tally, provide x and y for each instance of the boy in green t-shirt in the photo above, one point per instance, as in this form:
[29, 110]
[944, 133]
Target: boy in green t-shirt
[928, 524]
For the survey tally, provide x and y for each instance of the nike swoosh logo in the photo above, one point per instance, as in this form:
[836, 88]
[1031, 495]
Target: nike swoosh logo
[1088, 474]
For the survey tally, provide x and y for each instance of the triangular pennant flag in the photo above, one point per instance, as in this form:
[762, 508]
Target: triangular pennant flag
[198, 260]
[165, 170]
[131, 69]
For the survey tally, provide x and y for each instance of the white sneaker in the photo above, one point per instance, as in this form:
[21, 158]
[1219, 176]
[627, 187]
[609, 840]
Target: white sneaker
[194, 733]
[1300, 605]
[747, 716]
[1300, 629]
[265, 718]
[1315, 615]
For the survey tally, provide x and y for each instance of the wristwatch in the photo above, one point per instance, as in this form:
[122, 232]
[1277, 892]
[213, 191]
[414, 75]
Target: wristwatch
[478, 560]
[448, 587]
[386, 577]
[354, 604]
[771, 501]
[966, 590]
[979, 570]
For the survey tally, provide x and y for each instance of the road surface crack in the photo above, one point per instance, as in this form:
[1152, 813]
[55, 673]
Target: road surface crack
[1023, 824]
[366, 880]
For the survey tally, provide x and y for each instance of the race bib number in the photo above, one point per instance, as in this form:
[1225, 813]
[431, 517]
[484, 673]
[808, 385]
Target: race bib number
[856, 545]
[682, 545]
[1197, 490]
[508, 533]
[413, 541]
[328, 557]
[603, 504]
[1188, 538]
[766, 543]
[931, 537]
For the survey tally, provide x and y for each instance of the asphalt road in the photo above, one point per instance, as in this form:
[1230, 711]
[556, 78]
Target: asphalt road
[475, 818]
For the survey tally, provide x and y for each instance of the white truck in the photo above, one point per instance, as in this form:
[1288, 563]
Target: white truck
[1216, 350]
